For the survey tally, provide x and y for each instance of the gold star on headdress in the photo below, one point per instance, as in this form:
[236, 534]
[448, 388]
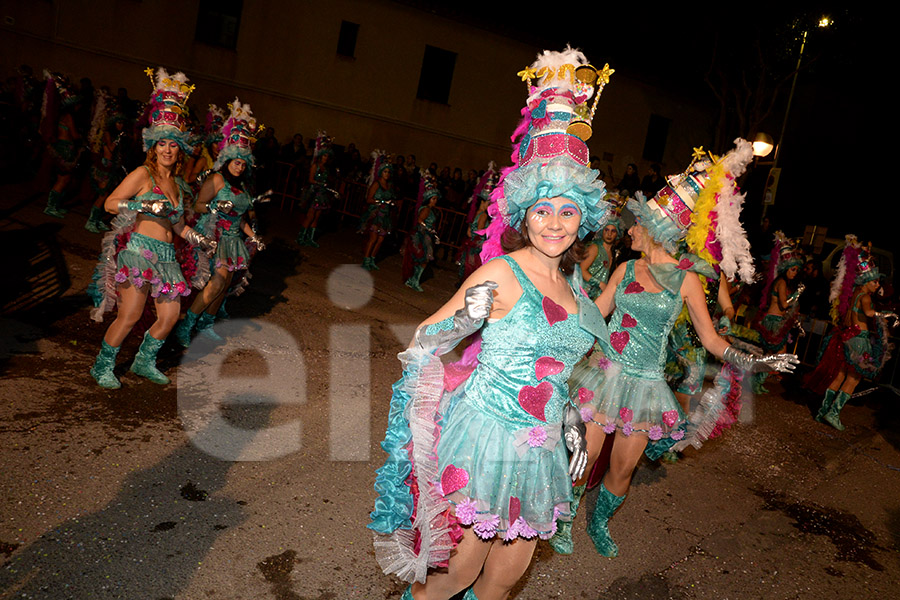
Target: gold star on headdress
[527, 74]
[699, 153]
[603, 74]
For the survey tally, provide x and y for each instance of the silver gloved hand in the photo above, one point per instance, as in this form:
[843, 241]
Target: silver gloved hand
[258, 241]
[156, 208]
[195, 238]
[796, 295]
[439, 338]
[221, 206]
[785, 363]
[575, 434]
[888, 316]
[262, 198]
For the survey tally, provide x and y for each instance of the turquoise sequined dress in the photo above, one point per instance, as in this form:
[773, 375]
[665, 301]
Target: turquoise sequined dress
[317, 195]
[623, 380]
[505, 430]
[377, 217]
[225, 228]
[500, 460]
[599, 270]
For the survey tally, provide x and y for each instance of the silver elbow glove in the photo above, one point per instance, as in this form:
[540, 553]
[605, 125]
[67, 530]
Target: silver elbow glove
[575, 434]
[888, 316]
[439, 338]
[195, 238]
[755, 364]
[224, 207]
[156, 208]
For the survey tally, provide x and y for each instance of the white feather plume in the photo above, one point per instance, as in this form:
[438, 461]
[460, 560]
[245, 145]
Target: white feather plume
[730, 233]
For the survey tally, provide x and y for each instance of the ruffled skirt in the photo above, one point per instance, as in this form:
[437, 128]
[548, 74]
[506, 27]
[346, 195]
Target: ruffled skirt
[376, 219]
[148, 261]
[231, 253]
[616, 398]
[507, 484]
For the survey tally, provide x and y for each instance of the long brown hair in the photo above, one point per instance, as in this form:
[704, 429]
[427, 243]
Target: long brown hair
[150, 161]
[513, 240]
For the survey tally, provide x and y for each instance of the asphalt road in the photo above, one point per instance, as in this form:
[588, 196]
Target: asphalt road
[250, 476]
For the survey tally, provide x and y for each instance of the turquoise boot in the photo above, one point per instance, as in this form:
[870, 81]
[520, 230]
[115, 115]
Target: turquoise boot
[562, 539]
[309, 240]
[54, 202]
[301, 237]
[183, 330]
[205, 327]
[95, 222]
[826, 405]
[145, 362]
[102, 371]
[832, 417]
[598, 528]
[413, 282]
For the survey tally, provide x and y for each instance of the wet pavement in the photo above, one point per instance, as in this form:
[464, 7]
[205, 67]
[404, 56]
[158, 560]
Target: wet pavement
[250, 476]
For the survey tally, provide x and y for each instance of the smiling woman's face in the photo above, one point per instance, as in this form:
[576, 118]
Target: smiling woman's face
[552, 225]
[167, 152]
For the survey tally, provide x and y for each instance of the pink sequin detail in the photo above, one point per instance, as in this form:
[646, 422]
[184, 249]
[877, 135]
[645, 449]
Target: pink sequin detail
[546, 366]
[553, 311]
[453, 479]
[534, 398]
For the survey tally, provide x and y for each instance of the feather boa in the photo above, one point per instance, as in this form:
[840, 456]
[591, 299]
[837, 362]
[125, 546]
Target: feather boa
[730, 234]
[841, 292]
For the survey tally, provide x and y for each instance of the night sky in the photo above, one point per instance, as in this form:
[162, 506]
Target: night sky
[825, 158]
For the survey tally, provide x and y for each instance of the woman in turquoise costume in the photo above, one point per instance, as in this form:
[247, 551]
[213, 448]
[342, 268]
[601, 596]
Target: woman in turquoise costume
[320, 193]
[376, 222]
[64, 140]
[780, 297]
[224, 203]
[853, 350]
[621, 387]
[473, 495]
[138, 256]
[598, 263]
[478, 219]
[419, 249]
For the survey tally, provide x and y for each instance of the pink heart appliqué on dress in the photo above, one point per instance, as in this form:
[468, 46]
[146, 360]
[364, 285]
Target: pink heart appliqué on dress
[585, 395]
[553, 311]
[634, 288]
[547, 365]
[628, 320]
[534, 398]
[453, 479]
[684, 264]
[618, 340]
[515, 509]
[670, 417]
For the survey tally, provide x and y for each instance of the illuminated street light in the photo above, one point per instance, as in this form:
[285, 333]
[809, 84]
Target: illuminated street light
[763, 145]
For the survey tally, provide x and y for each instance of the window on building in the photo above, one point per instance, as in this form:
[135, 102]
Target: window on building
[218, 22]
[657, 135]
[347, 39]
[437, 75]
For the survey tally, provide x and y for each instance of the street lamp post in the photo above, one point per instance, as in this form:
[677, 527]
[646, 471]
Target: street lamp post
[823, 23]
